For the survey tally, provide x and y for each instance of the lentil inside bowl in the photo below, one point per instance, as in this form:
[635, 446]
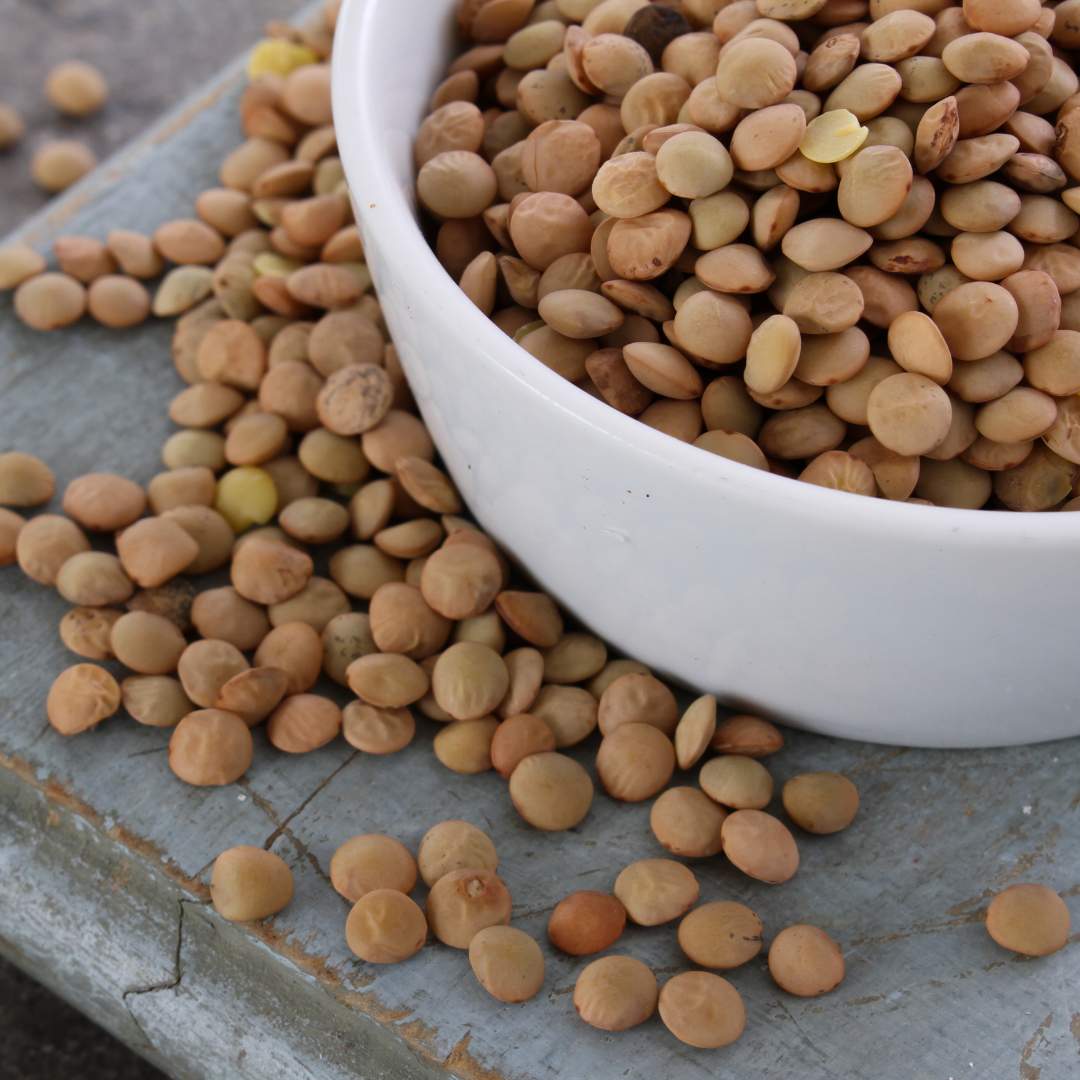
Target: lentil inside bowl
[587, 173]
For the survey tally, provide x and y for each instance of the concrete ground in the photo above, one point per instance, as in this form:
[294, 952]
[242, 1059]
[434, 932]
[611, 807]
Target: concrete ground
[152, 53]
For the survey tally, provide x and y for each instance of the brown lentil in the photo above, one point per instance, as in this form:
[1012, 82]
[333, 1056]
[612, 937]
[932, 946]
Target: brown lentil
[302, 723]
[721, 934]
[25, 480]
[655, 891]
[465, 745]
[1028, 919]
[210, 748]
[155, 700]
[104, 502]
[463, 902]
[385, 927]
[805, 961]
[43, 544]
[76, 88]
[369, 862]
[635, 762]
[507, 963]
[58, 164]
[224, 614]
[637, 698]
[551, 791]
[454, 845]
[760, 846]
[687, 822]
[738, 782]
[518, 736]
[702, 1010]
[154, 550]
[80, 698]
[387, 680]
[148, 644]
[248, 883]
[253, 693]
[821, 803]
[85, 578]
[615, 993]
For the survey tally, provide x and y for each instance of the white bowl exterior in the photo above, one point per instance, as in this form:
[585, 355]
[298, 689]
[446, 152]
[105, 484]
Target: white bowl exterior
[841, 614]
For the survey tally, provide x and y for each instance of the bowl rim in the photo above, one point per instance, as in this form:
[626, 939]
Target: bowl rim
[366, 156]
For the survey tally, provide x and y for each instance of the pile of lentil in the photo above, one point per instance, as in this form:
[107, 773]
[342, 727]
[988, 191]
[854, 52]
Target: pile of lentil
[830, 239]
[298, 445]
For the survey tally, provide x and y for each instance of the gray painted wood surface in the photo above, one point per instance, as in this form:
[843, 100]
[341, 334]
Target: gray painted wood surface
[103, 853]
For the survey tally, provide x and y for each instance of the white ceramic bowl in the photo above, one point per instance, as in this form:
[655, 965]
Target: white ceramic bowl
[834, 612]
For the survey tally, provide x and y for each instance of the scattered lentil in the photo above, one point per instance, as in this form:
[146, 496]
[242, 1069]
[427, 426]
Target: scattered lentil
[463, 902]
[454, 845]
[702, 1010]
[507, 963]
[369, 862]
[738, 782]
[687, 822]
[57, 165]
[822, 802]
[155, 700]
[248, 883]
[80, 698]
[635, 762]
[210, 748]
[655, 891]
[76, 88]
[586, 922]
[721, 934]
[760, 846]
[615, 993]
[1028, 919]
[551, 791]
[385, 927]
[25, 480]
[805, 961]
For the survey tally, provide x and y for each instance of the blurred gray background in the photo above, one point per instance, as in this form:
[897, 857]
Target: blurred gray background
[153, 53]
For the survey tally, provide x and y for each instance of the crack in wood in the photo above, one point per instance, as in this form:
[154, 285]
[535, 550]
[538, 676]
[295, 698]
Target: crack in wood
[165, 984]
[280, 829]
[303, 806]
[262, 803]
[306, 853]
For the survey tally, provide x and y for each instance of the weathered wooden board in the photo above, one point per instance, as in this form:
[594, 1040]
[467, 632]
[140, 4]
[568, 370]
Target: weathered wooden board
[103, 852]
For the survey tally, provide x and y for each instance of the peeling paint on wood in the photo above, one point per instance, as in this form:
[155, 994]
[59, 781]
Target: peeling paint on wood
[103, 854]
